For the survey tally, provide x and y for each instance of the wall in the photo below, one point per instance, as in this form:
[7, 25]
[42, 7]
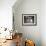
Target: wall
[6, 13]
[43, 22]
[28, 7]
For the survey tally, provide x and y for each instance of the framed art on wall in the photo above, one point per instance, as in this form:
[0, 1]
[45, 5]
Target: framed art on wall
[29, 19]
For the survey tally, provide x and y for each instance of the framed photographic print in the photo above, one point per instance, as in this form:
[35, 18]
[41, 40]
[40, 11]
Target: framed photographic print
[29, 19]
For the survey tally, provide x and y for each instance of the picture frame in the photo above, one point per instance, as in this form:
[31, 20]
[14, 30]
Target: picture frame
[29, 19]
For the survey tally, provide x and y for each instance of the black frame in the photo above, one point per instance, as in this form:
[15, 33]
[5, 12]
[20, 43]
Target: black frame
[32, 19]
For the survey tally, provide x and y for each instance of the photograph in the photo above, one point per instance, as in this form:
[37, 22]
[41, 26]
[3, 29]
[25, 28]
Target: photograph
[22, 22]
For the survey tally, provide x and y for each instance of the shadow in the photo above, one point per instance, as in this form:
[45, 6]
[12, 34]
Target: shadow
[17, 4]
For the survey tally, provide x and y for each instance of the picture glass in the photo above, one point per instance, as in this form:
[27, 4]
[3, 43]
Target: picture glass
[28, 19]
